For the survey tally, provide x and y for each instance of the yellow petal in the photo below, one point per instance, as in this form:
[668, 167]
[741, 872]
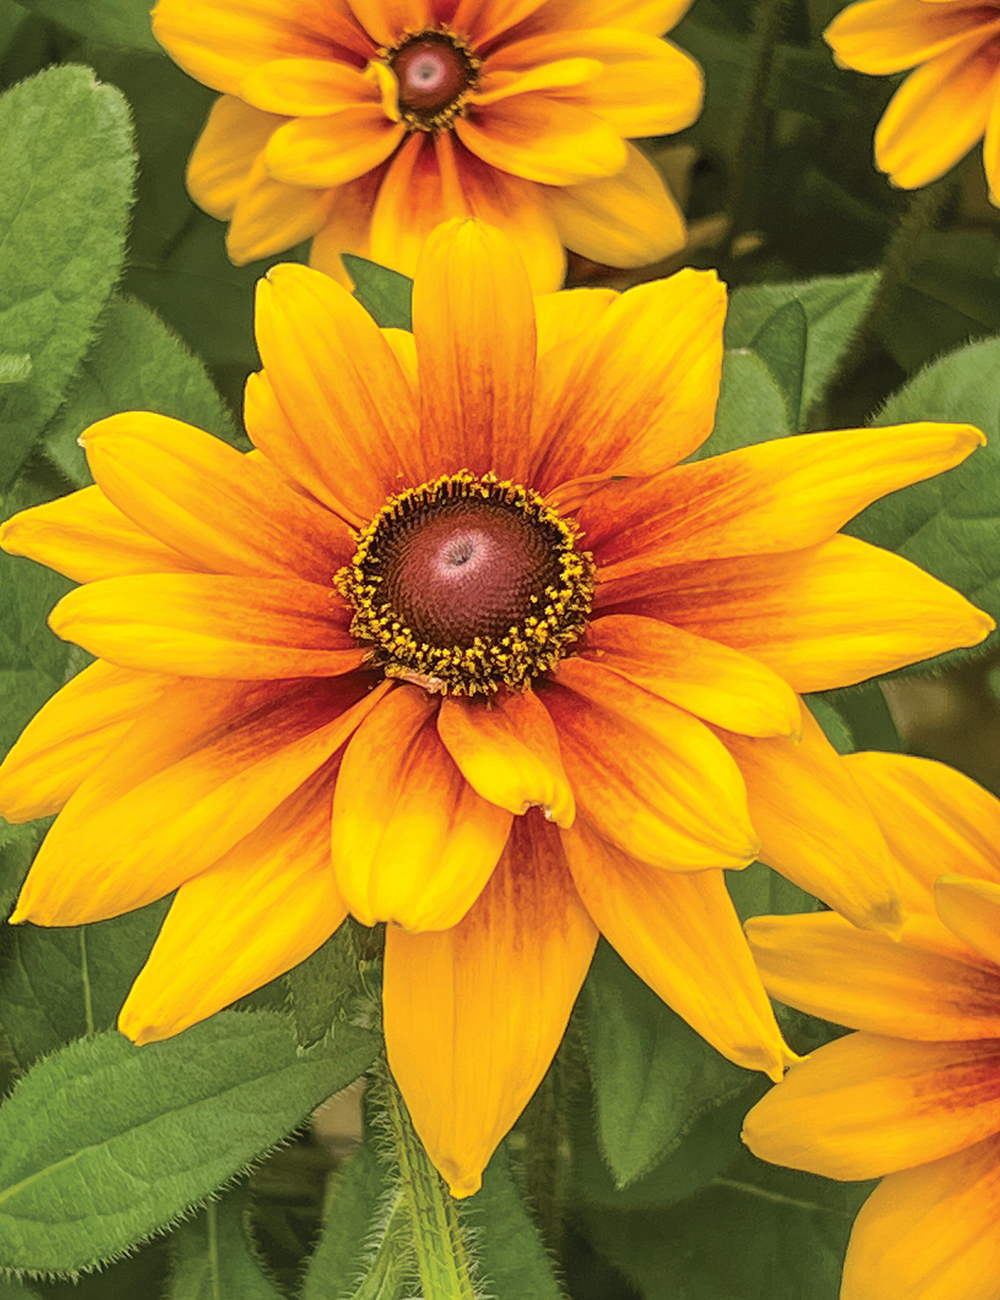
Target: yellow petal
[201, 768]
[703, 677]
[508, 751]
[320, 152]
[474, 326]
[882, 36]
[387, 20]
[474, 1014]
[224, 510]
[866, 1105]
[561, 316]
[648, 777]
[868, 980]
[934, 820]
[347, 227]
[930, 1233]
[495, 85]
[270, 216]
[815, 824]
[233, 138]
[265, 906]
[629, 219]
[413, 843]
[207, 626]
[938, 113]
[774, 496]
[306, 87]
[971, 909]
[70, 735]
[828, 616]
[607, 403]
[680, 934]
[87, 538]
[349, 412]
[543, 139]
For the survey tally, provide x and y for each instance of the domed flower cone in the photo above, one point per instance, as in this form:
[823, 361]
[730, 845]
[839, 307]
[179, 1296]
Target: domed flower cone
[951, 100]
[915, 1095]
[365, 124]
[463, 648]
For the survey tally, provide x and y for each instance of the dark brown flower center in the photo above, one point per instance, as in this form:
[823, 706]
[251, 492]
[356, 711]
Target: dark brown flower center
[434, 70]
[467, 584]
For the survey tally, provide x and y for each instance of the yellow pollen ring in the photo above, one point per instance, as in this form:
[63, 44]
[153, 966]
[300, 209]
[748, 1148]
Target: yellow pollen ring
[555, 619]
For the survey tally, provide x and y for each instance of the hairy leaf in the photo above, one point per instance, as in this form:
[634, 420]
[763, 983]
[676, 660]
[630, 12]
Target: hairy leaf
[103, 1143]
[513, 1262]
[66, 161]
[751, 406]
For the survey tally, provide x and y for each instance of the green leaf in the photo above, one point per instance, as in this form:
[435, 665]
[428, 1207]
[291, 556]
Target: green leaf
[653, 1076]
[213, 1257]
[513, 1262]
[751, 406]
[324, 986]
[103, 1143]
[756, 1232]
[15, 367]
[760, 317]
[950, 524]
[355, 1226]
[759, 891]
[58, 984]
[18, 846]
[66, 160]
[136, 364]
[124, 23]
[866, 715]
[11, 1290]
[386, 294]
[835, 727]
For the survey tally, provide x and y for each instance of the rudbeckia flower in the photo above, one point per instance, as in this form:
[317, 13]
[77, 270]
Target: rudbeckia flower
[915, 1095]
[363, 124]
[949, 102]
[461, 647]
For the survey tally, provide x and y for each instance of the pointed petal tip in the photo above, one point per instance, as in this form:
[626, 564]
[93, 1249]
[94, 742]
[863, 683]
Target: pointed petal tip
[463, 1185]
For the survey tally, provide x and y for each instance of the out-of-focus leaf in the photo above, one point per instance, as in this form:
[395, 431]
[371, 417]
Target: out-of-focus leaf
[751, 406]
[386, 294]
[755, 1233]
[213, 1257]
[124, 23]
[801, 345]
[513, 1263]
[866, 715]
[58, 984]
[136, 364]
[103, 1143]
[66, 162]
[949, 524]
[653, 1076]
[759, 891]
[18, 846]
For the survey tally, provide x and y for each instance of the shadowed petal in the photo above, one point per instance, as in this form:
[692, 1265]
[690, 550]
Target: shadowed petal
[87, 538]
[413, 843]
[930, 1233]
[648, 777]
[233, 138]
[681, 934]
[816, 826]
[869, 980]
[70, 735]
[226, 511]
[201, 768]
[306, 87]
[208, 626]
[934, 820]
[883, 36]
[867, 1105]
[508, 751]
[474, 1014]
[971, 909]
[270, 216]
[703, 677]
[544, 139]
[265, 906]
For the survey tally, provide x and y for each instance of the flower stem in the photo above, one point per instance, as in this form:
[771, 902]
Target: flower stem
[439, 1248]
[755, 128]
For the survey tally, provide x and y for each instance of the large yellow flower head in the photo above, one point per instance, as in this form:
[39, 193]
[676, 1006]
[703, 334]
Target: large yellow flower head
[462, 647]
[952, 99]
[916, 1094]
[365, 123]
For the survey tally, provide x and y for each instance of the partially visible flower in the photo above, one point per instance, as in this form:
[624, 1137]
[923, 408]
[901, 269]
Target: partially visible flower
[365, 123]
[915, 1095]
[464, 580]
[952, 99]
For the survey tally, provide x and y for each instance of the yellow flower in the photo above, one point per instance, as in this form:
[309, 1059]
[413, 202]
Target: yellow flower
[538, 610]
[952, 99]
[364, 124]
[916, 1094]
